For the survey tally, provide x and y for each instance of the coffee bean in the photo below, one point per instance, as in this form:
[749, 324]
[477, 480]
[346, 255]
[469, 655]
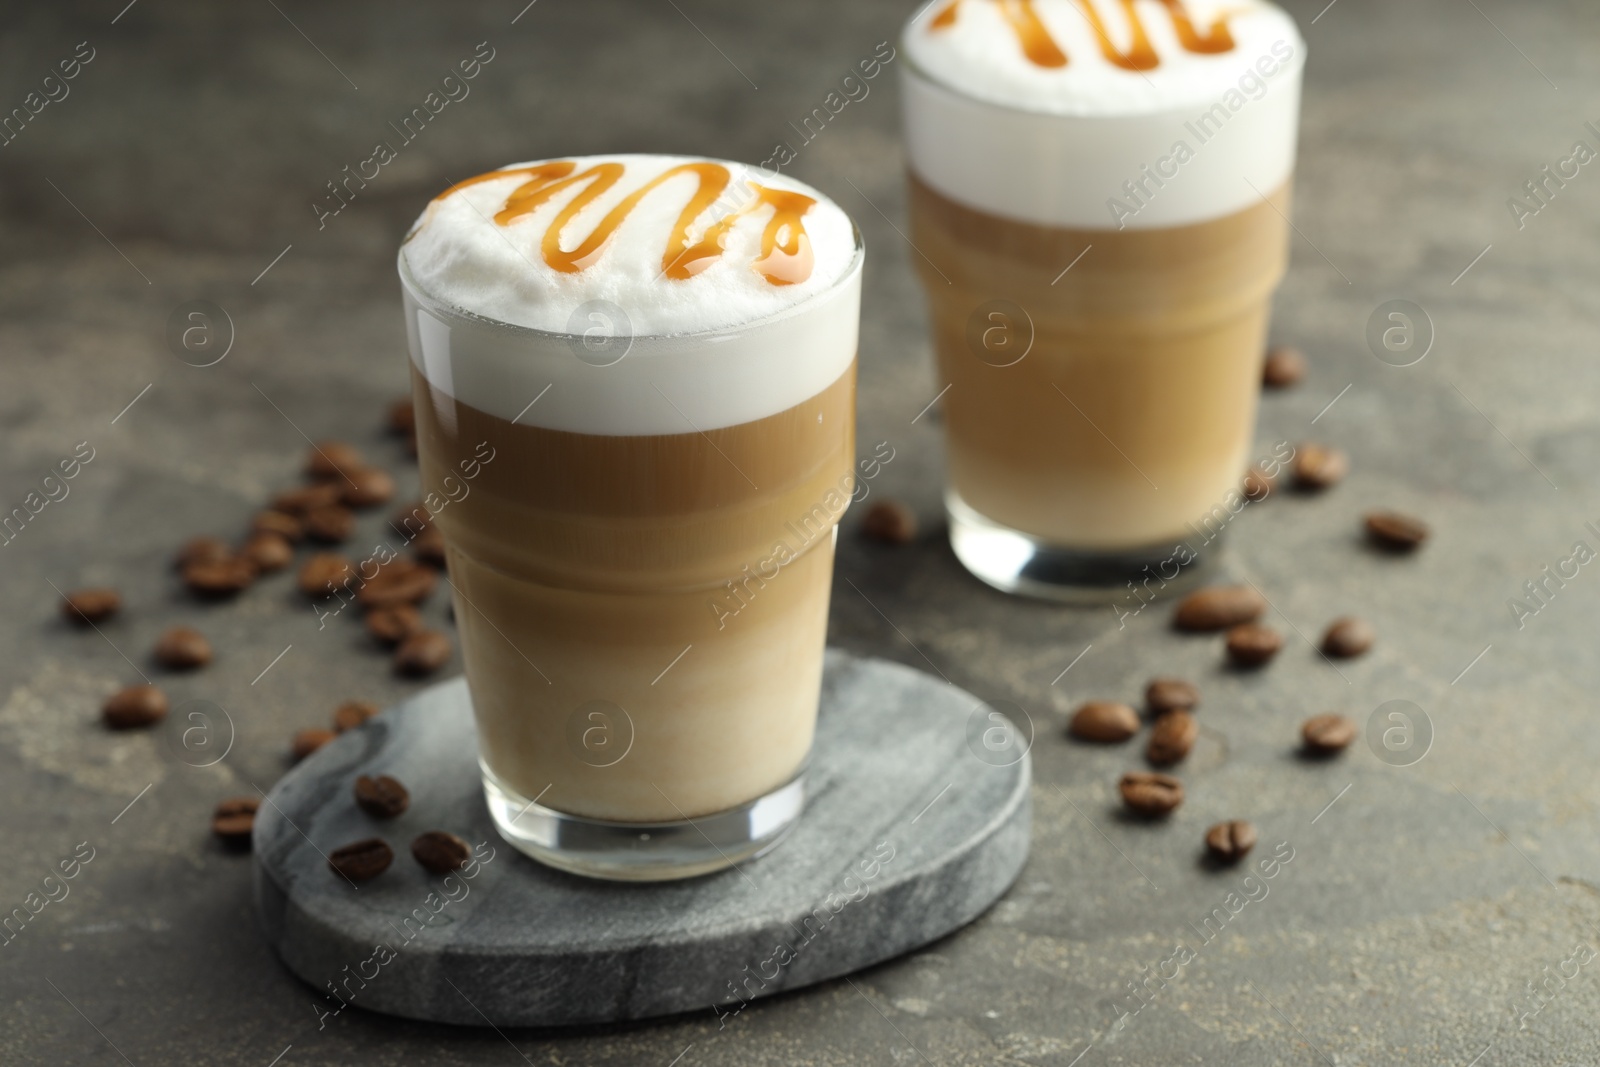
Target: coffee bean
[1104, 720]
[411, 445]
[182, 648]
[1327, 734]
[1319, 467]
[402, 416]
[394, 624]
[331, 524]
[133, 707]
[285, 525]
[1284, 366]
[1171, 694]
[308, 741]
[219, 577]
[429, 548]
[1229, 841]
[306, 499]
[412, 519]
[268, 551]
[890, 522]
[440, 852]
[1347, 637]
[198, 549]
[367, 488]
[422, 654]
[332, 459]
[1252, 644]
[400, 581]
[352, 713]
[1393, 530]
[234, 819]
[1218, 607]
[1257, 485]
[1172, 738]
[85, 606]
[1150, 794]
[381, 797]
[324, 574]
[362, 860]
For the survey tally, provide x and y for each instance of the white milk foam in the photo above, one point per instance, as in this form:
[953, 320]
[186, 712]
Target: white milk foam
[992, 128]
[491, 324]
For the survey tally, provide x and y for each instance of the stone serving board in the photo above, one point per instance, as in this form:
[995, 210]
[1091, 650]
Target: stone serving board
[917, 821]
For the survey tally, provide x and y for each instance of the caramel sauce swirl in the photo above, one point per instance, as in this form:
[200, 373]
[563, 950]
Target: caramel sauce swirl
[1042, 50]
[786, 254]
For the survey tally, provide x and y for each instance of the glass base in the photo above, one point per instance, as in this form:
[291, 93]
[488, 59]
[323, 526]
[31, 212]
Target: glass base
[643, 852]
[1020, 563]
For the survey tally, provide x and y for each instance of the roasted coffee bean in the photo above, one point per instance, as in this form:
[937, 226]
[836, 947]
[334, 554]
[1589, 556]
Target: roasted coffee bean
[1172, 738]
[1329, 733]
[1229, 841]
[1104, 720]
[367, 488]
[1148, 793]
[307, 498]
[381, 797]
[412, 519]
[219, 577]
[1395, 531]
[332, 459]
[1283, 367]
[422, 654]
[440, 852]
[1257, 485]
[1319, 467]
[324, 574]
[268, 551]
[332, 524]
[1252, 644]
[1218, 607]
[135, 706]
[400, 581]
[234, 818]
[352, 713]
[308, 741]
[285, 525]
[429, 548]
[402, 416]
[1170, 694]
[394, 624]
[362, 860]
[198, 549]
[85, 606]
[890, 522]
[182, 648]
[1347, 637]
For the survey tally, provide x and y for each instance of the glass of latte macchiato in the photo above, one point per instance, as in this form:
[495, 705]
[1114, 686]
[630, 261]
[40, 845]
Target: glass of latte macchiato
[1100, 197]
[634, 380]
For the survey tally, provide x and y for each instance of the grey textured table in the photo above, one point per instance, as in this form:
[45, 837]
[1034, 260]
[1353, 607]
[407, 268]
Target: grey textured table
[1418, 908]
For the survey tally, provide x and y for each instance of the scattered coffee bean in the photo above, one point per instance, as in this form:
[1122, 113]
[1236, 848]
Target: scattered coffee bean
[281, 523]
[1319, 467]
[1229, 841]
[381, 797]
[85, 606]
[352, 713]
[1347, 637]
[412, 519]
[133, 707]
[306, 498]
[201, 549]
[367, 488]
[1284, 366]
[332, 459]
[1251, 644]
[402, 416]
[1257, 485]
[1171, 694]
[1327, 734]
[235, 818]
[1395, 531]
[429, 548]
[440, 852]
[1218, 607]
[1172, 738]
[362, 860]
[1105, 721]
[400, 581]
[268, 551]
[1150, 794]
[422, 654]
[219, 577]
[308, 741]
[323, 574]
[331, 524]
[183, 648]
[890, 522]
[394, 624]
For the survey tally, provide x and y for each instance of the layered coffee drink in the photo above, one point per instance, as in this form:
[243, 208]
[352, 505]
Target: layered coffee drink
[1099, 195]
[648, 365]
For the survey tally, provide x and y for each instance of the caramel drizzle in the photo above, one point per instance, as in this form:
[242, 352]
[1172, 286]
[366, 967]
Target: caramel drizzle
[1041, 49]
[786, 253]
